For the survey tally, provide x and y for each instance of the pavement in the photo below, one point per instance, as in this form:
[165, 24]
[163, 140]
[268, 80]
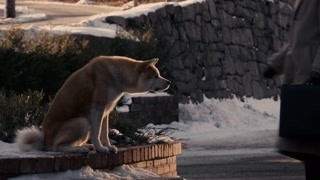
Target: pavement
[58, 14]
[257, 164]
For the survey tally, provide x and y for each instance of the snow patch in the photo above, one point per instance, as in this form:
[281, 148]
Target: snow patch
[227, 122]
[84, 2]
[144, 9]
[232, 113]
[121, 172]
[24, 14]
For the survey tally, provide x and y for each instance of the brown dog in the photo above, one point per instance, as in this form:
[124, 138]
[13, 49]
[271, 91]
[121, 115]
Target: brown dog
[81, 107]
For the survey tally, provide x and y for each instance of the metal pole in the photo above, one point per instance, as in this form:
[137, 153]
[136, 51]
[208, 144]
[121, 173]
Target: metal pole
[135, 3]
[9, 9]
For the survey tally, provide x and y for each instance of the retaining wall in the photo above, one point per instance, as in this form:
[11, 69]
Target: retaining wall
[217, 48]
[155, 109]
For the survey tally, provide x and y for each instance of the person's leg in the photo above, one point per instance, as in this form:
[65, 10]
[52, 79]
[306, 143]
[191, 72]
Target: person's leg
[312, 169]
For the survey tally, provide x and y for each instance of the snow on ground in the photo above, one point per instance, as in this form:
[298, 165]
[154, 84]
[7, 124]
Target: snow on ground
[228, 123]
[225, 122]
[151, 7]
[123, 172]
[24, 14]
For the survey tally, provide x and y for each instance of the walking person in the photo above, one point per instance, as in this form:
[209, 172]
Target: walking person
[299, 61]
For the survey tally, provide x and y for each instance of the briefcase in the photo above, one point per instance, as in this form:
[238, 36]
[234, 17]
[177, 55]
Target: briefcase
[300, 112]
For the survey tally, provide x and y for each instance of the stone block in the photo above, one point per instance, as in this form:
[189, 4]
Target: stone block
[188, 13]
[213, 9]
[226, 35]
[121, 21]
[240, 70]
[249, 4]
[170, 9]
[149, 164]
[193, 31]
[182, 34]
[142, 164]
[178, 15]
[228, 64]
[259, 20]
[257, 90]
[227, 19]
[229, 7]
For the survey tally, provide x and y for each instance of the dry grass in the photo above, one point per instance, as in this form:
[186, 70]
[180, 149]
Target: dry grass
[116, 3]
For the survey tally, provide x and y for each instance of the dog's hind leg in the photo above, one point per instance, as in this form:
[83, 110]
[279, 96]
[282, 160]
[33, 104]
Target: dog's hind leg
[89, 146]
[72, 136]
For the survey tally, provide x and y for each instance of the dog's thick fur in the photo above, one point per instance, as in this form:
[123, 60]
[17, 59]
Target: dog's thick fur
[81, 107]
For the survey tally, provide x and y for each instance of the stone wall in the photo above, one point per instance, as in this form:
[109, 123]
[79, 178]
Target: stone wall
[143, 110]
[217, 48]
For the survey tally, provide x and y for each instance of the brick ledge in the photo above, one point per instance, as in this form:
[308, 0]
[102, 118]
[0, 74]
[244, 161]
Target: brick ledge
[158, 158]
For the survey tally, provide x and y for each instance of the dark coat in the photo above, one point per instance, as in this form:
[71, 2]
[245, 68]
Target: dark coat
[301, 55]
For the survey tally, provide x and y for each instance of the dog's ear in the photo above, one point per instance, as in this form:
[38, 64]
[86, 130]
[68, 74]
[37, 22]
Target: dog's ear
[148, 63]
[152, 61]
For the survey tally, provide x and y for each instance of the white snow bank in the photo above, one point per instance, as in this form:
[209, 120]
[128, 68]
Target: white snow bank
[227, 122]
[12, 150]
[84, 2]
[144, 9]
[123, 172]
[89, 30]
[232, 113]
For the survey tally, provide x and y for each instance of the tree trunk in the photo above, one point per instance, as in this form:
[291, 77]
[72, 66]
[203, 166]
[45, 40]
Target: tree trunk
[9, 9]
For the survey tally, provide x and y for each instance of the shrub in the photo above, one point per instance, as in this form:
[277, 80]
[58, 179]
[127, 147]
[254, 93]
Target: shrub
[43, 61]
[40, 61]
[20, 110]
[41, 43]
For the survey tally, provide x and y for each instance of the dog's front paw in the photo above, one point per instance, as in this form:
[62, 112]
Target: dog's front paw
[113, 149]
[102, 149]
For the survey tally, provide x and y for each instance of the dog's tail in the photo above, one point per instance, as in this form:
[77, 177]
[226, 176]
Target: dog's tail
[29, 138]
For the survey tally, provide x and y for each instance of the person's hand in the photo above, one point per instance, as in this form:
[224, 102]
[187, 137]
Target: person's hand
[269, 72]
[314, 78]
